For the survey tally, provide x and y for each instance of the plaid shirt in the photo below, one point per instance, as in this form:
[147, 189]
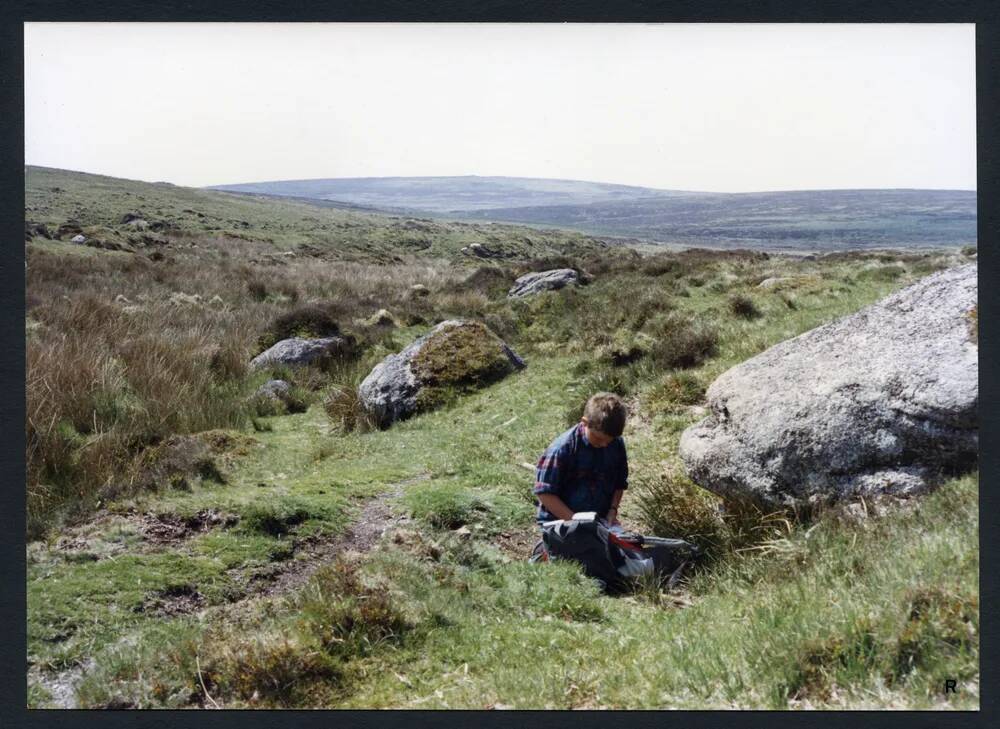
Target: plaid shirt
[584, 477]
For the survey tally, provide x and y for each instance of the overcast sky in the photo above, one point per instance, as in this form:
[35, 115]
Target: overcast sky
[690, 107]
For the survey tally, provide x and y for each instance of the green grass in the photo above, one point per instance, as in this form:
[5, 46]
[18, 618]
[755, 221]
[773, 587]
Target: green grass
[834, 614]
[505, 619]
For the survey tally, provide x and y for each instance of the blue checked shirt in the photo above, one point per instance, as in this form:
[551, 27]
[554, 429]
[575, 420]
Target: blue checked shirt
[584, 477]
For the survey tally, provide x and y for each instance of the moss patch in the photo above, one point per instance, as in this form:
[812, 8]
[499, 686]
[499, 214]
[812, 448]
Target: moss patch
[461, 358]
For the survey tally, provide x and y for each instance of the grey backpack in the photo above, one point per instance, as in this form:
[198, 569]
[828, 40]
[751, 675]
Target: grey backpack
[613, 558]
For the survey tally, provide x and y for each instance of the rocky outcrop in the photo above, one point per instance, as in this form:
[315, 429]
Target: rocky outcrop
[534, 283]
[481, 251]
[882, 401]
[454, 354]
[299, 351]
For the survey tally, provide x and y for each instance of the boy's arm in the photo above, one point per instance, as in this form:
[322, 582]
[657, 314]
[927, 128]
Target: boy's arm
[549, 476]
[616, 497]
[612, 517]
[555, 506]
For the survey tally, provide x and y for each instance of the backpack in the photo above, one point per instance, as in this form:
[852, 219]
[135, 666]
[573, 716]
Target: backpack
[611, 558]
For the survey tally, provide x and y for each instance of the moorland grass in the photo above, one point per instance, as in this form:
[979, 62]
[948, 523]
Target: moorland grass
[833, 613]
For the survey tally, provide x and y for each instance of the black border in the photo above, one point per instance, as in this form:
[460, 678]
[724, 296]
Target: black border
[13, 648]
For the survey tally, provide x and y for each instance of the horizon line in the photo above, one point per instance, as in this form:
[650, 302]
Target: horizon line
[516, 177]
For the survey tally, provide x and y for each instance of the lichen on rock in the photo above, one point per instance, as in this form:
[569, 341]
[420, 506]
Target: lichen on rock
[882, 401]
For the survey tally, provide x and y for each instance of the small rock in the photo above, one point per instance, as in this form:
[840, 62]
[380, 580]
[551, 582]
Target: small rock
[275, 390]
[534, 283]
[419, 290]
[463, 532]
[299, 351]
[179, 298]
[774, 282]
[78, 239]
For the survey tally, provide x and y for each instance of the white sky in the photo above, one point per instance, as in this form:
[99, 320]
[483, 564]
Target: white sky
[718, 107]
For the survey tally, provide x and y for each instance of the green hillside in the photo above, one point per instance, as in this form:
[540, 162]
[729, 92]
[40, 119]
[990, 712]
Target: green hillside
[180, 216]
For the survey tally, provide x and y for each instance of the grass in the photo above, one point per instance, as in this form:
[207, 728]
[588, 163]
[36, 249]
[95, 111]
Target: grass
[157, 425]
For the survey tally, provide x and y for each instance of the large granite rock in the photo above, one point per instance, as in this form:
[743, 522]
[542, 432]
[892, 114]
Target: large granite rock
[454, 354]
[882, 401]
[534, 283]
[299, 351]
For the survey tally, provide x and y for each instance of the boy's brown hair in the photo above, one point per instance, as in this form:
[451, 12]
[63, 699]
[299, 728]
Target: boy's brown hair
[606, 412]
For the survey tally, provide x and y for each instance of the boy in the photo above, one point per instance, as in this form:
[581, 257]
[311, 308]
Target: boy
[585, 468]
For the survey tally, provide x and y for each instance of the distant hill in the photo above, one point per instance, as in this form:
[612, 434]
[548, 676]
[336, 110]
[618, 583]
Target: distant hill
[447, 195]
[175, 217]
[812, 220]
[799, 220]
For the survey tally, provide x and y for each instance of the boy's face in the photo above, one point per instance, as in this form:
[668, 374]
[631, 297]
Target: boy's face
[595, 437]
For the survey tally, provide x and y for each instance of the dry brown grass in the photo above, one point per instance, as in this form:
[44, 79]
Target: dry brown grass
[115, 365]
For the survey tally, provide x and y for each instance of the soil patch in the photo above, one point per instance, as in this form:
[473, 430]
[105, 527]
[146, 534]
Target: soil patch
[517, 544]
[375, 519]
[171, 528]
[175, 600]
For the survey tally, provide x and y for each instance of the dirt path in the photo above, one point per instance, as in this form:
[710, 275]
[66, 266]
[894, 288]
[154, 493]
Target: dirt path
[375, 518]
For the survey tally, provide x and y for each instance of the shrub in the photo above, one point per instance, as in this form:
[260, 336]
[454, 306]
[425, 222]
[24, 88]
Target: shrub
[626, 347]
[743, 306]
[821, 664]
[662, 264]
[678, 389]
[306, 321]
[882, 273]
[345, 616]
[938, 622]
[275, 518]
[272, 669]
[671, 505]
[681, 341]
[228, 361]
[345, 410]
[619, 380]
[490, 281]
[257, 289]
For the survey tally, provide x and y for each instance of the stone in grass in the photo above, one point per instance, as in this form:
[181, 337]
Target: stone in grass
[179, 298]
[884, 401]
[534, 283]
[275, 397]
[454, 355]
[275, 390]
[78, 239]
[299, 351]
